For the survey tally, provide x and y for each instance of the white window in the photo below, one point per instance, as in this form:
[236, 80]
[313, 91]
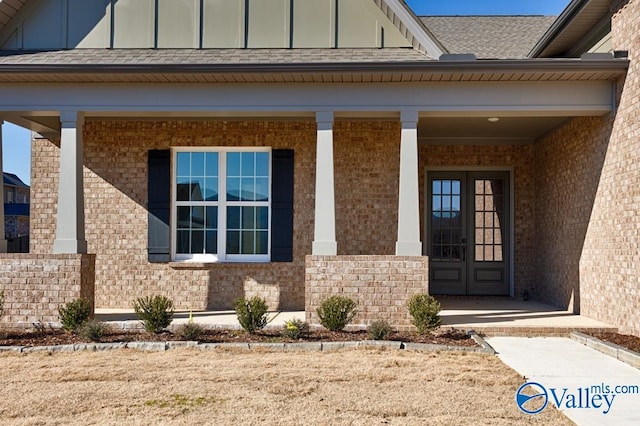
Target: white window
[221, 204]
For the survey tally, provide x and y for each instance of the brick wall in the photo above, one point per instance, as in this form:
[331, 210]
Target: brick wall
[115, 173]
[380, 285]
[589, 198]
[520, 159]
[610, 263]
[36, 285]
[367, 173]
[569, 163]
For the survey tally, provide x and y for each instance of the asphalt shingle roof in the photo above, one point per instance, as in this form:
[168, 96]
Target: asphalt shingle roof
[209, 56]
[489, 37]
[13, 180]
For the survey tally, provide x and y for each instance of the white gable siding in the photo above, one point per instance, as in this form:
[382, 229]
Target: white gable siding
[14, 41]
[134, 23]
[269, 23]
[223, 24]
[361, 24]
[603, 46]
[180, 23]
[89, 23]
[45, 28]
[61, 24]
[314, 23]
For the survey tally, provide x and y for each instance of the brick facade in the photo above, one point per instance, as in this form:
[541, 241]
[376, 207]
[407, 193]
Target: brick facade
[576, 203]
[115, 173]
[36, 285]
[569, 164]
[588, 198]
[380, 285]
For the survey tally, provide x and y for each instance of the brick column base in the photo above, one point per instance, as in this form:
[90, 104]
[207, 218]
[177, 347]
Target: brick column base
[35, 285]
[380, 285]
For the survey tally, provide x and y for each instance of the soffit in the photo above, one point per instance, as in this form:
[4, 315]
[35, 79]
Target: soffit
[413, 29]
[576, 21]
[8, 9]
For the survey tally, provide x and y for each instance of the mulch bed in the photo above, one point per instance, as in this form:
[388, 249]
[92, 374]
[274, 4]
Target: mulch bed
[626, 341]
[450, 337]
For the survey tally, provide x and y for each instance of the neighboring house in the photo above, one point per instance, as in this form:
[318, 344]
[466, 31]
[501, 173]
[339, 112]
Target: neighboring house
[16, 213]
[293, 149]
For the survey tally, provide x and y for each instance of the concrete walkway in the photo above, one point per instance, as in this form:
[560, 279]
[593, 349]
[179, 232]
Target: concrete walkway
[561, 363]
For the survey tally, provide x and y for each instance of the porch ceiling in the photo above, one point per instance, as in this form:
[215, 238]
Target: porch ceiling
[479, 130]
[431, 130]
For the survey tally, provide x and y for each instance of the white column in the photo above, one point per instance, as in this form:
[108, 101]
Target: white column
[3, 241]
[70, 226]
[324, 240]
[408, 243]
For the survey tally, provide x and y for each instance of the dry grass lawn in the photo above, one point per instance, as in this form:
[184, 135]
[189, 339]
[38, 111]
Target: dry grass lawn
[225, 387]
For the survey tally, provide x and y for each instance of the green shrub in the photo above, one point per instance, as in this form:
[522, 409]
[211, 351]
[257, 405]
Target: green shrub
[251, 313]
[296, 329]
[189, 331]
[94, 330]
[74, 314]
[379, 330]
[155, 312]
[336, 312]
[425, 311]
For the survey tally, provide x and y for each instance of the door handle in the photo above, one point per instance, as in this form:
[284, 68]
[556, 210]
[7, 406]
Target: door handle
[463, 246]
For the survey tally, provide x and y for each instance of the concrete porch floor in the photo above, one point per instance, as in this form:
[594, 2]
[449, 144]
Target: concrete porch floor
[510, 317]
[491, 316]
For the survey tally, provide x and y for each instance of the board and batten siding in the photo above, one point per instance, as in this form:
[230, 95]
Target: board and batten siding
[67, 24]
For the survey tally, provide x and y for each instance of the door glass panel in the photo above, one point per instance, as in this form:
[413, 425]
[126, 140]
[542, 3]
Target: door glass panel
[489, 220]
[446, 220]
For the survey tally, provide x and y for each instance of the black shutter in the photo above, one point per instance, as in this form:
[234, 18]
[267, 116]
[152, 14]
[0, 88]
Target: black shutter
[159, 193]
[282, 205]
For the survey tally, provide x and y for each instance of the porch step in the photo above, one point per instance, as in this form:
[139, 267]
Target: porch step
[515, 331]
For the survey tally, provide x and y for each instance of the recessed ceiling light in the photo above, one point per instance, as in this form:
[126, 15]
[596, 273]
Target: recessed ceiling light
[493, 119]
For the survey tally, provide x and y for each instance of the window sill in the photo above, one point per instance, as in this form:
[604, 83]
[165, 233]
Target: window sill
[191, 265]
[209, 265]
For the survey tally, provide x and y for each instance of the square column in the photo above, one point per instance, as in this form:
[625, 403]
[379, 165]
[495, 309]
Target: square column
[3, 241]
[70, 220]
[408, 243]
[324, 240]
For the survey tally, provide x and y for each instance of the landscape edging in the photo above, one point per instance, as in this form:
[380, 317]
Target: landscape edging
[611, 349]
[304, 346]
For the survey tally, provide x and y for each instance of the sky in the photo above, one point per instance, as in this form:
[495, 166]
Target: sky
[487, 7]
[16, 141]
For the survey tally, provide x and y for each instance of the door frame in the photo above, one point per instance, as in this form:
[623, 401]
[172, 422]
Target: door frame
[425, 197]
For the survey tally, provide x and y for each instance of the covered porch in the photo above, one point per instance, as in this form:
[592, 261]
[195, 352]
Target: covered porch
[424, 107]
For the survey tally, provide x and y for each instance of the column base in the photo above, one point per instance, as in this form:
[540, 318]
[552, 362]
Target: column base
[325, 248]
[408, 248]
[3, 246]
[69, 247]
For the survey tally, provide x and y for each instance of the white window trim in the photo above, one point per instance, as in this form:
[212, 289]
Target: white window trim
[222, 204]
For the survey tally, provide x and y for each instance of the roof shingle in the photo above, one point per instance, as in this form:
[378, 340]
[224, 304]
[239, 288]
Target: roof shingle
[209, 56]
[489, 37]
[13, 180]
